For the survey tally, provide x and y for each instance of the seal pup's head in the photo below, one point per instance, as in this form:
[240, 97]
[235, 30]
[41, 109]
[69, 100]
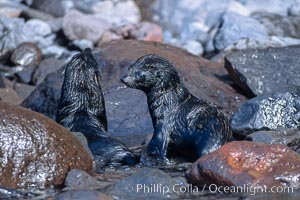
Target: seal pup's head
[81, 98]
[149, 72]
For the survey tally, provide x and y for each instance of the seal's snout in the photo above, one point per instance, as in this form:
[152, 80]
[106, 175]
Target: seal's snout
[124, 79]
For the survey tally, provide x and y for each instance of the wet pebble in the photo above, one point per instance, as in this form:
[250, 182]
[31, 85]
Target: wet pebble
[26, 54]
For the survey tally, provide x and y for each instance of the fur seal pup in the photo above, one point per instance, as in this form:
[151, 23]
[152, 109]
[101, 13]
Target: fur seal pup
[82, 109]
[182, 123]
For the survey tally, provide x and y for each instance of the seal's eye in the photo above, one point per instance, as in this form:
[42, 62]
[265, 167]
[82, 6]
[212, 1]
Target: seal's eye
[149, 66]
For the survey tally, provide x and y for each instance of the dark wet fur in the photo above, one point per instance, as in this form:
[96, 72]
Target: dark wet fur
[82, 109]
[182, 123]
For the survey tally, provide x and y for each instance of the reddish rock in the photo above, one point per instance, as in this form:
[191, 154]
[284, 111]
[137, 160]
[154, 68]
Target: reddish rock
[35, 151]
[26, 54]
[248, 163]
[145, 31]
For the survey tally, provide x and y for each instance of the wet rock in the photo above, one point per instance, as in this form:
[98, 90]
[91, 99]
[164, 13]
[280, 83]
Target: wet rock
[247, 163]
[25, 76]
[8, 94]
[48, 152]
[46, 67]
[146, 31]
[127, 109]
[263, 43]
[117, 13]
[134, 187]
[288, 137]
[78, 179]
[263, 71]
[26, 54]
[284, 26]
[235, 27]
[82, 194]
[58, 8]
[268, 112]
[12, 28]
[77, 25]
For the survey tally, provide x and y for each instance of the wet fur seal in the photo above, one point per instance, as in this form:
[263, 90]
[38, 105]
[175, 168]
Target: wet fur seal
[82, 109]
[183, 124]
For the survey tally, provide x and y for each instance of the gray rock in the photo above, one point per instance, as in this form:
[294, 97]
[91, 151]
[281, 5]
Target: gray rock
[58, 8]
[263, 43]
[46, 67]
[193, 47]
[9, 95]
[38, 27]
[288, 137]
[30, 13]
[23, 90]
[55, 51]
[25, 76]
[280, 7]
[2, 85]
[135, 186]
[77, 25]
[235, 27]
[81, 195]
[117, 13]
[82, 44]
[26, 54]
[268, 112]
[263, 71]
[78, 179]
[284, 26]
[12, 29]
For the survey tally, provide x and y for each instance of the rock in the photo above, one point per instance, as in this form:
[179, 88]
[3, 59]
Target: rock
[23, 90]
[268, 112]
[25, 76]
[262, 43]
[288, 137]
[12, 28]
[26, 54]
[249, 164]
[77, 25]
[82, 139]
[263, 71]
[82, 194]
[46, 67]
[58, 8]
[83, 44]
[77, 179]
[10, 11]
[275, 24]
[189, 19]
[47, 153]
[235, 27]
[194, 47]
[55, 51]
[117, 13]
[134, 187]
[146, 31]
[38, 27]
[127, 109]
[2, 85]
[8, 94]
[280, 7]
[30, 13]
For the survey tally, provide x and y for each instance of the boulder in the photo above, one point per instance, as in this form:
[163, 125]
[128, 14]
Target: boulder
[288, 137]
[82, 194]
[77, 25]
[36, 151]
[58, 8]
[263, 71]
[249, 164]
[234, 27]
[127, 109]
[268, 112]
[275, 24]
